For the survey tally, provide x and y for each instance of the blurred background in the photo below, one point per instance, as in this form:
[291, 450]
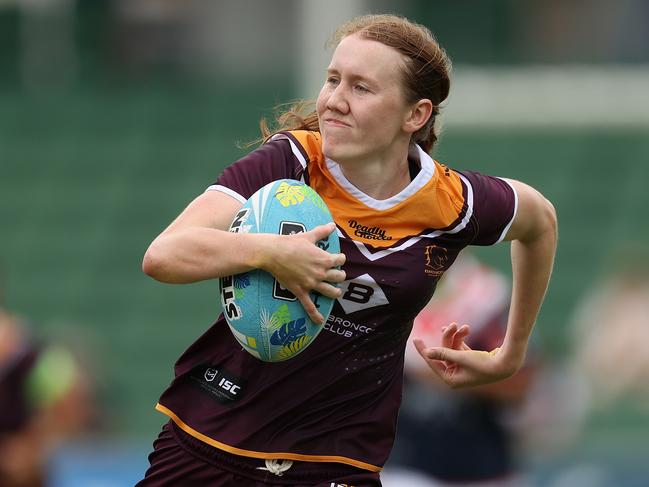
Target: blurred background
[114, 114]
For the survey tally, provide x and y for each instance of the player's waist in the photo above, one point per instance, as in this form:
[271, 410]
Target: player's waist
[304, 467]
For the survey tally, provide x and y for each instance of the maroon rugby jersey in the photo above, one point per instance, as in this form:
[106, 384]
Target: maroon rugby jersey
[337, 401]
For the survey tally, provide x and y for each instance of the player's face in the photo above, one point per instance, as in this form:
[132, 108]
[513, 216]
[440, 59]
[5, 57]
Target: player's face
[361, 107]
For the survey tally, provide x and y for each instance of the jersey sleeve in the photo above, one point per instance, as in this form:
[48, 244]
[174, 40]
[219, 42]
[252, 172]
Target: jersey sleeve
[494, 207]
[272, 161]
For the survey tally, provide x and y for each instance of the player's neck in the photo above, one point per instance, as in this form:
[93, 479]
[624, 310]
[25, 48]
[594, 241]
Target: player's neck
[376, 178]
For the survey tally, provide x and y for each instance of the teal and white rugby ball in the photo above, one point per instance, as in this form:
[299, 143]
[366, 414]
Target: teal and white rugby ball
[266, 319]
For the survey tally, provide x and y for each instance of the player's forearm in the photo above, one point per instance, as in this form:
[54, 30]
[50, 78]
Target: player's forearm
[198, 253]
[532, 261]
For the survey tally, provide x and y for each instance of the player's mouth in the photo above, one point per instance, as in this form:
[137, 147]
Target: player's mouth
[334, 122]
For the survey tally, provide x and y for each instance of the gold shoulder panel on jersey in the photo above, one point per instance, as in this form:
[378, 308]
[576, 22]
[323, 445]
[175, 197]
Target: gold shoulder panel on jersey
[438, 204]
[450, 198]
[310, 142]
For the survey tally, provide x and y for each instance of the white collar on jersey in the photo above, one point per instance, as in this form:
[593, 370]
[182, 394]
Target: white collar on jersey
[424, 175]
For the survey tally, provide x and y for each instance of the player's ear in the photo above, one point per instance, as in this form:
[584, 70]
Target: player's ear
[418, 115]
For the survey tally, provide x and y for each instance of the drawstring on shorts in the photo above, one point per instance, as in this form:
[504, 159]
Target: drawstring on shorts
[277, 467]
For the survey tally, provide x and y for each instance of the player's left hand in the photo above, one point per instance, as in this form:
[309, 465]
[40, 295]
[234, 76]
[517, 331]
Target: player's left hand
[455, 363]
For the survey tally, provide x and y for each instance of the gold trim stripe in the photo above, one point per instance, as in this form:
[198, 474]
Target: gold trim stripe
[263, 455]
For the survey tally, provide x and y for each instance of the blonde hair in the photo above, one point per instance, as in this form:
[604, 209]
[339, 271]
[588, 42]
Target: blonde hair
[425, 74]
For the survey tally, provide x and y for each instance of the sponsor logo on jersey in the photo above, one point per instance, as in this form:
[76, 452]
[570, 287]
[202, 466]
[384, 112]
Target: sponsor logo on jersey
[436, 260]
[370, 233]
[224, 386]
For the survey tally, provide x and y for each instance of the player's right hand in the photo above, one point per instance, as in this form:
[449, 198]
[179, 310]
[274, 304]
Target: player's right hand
[302, 267]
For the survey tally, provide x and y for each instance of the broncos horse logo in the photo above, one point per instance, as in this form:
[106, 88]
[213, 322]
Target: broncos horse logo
[436, 259]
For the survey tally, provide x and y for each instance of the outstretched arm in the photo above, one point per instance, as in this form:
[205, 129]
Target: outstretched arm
[534, 237]
[198, 246]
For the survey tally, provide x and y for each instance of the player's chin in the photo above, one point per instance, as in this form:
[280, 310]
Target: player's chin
[338, 150]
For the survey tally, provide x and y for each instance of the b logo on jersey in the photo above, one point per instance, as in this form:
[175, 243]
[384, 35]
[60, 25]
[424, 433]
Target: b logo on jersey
[436, 259]
[360, 293]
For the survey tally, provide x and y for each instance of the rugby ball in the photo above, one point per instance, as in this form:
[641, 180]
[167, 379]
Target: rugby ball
[266, 319]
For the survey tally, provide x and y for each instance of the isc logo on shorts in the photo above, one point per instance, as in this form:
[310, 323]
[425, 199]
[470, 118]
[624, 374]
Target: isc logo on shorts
[334, 484]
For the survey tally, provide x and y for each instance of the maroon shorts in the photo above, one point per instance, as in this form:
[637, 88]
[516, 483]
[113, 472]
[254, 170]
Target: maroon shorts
[181, 460]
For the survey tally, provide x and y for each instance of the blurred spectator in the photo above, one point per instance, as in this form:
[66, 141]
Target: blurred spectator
[447, 437]
[48, 52]
[583, 31]
[611, 331]
[607, 367]
[204, 39]
[44, 398]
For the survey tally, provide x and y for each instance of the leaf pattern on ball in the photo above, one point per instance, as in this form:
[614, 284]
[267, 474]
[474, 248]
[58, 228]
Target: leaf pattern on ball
[289, 332]
[240, 283]
[269, 321]
[241, 280]
[290, 349]
[315, 199]
[282, 315]
[289, 195]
